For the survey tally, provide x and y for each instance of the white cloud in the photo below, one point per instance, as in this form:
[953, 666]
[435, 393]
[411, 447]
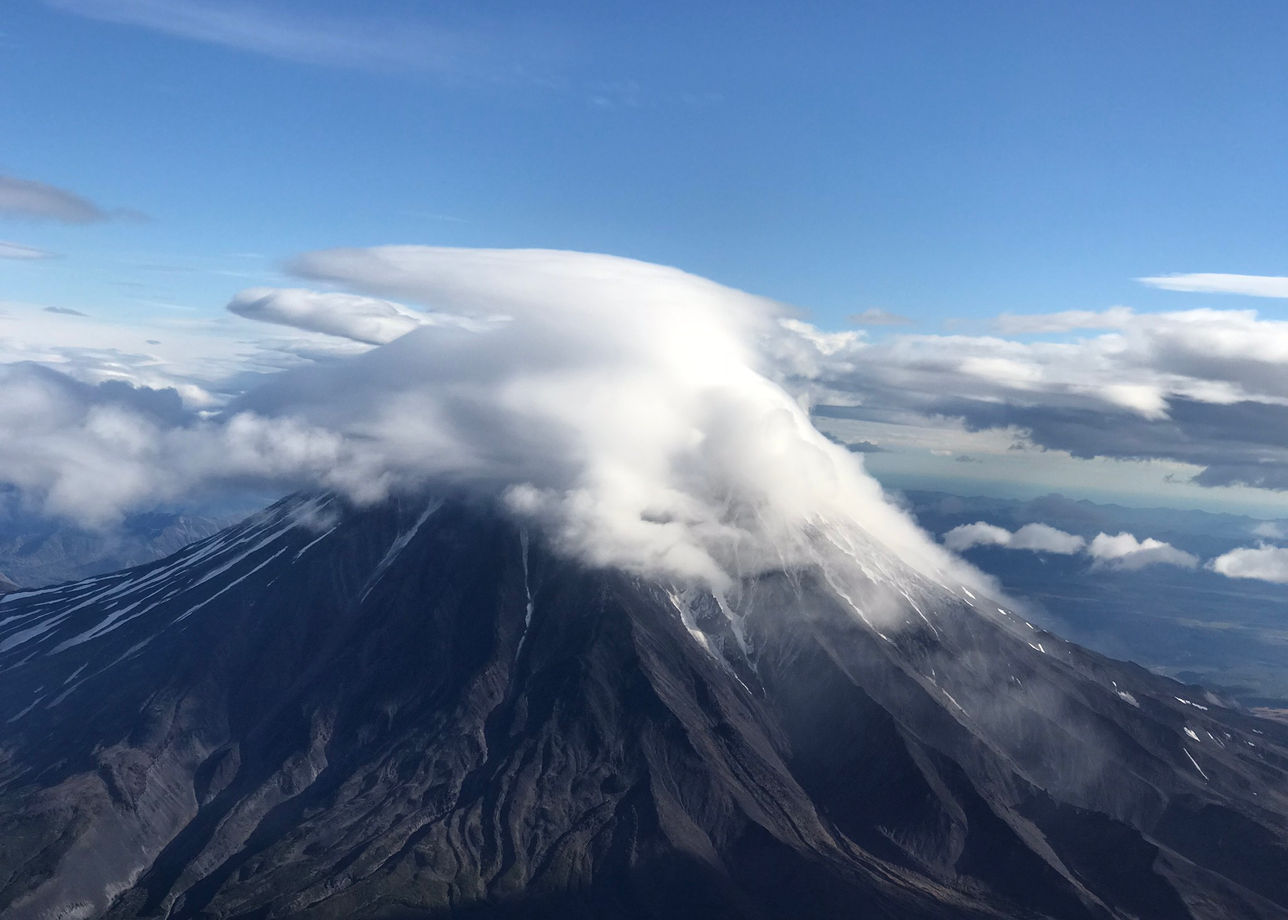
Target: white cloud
[92, 453]
[1203, 388]
[624, 406]
[1124, 551]
[1036, 537]
[350, 316]
[22, 253]
[980, 533]
[206, 360]
[1044, 538]
[1208, 283]
[614, 398]
[1265, 563]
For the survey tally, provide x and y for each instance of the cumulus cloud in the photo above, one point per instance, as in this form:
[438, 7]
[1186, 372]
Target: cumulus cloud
[28, 198]
[1124, 551]
[1036, 537]
[77, 440]
[1044, 538]
[978, 534]
[91, 453]
[628, 408]
[1208, 283]
[21, 253]
[1264, 563]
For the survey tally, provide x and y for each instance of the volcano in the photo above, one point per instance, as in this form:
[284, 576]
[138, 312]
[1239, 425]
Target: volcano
[421, 709]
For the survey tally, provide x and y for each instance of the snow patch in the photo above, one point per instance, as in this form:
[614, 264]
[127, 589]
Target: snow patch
[1196, 765]
[229, 586]
[396, 548]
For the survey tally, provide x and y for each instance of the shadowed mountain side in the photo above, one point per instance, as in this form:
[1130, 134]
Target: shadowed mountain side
[417, 711]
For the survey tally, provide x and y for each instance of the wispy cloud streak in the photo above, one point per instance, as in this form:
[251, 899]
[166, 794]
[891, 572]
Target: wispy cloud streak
[266, 30]
[21, 253]
[1207, 283]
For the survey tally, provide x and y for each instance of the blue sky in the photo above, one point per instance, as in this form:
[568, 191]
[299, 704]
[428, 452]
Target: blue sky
[948, 163]
[938, 160]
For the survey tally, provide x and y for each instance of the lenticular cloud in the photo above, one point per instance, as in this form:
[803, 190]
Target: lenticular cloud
[626, 407]
[621, 403]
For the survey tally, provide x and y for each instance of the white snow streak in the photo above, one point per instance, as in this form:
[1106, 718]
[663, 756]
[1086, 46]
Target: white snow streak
[527, 590]
[395, 548]
[1196, 765]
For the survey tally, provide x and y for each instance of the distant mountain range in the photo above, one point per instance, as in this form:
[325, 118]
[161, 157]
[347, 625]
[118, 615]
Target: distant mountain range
[38, 550]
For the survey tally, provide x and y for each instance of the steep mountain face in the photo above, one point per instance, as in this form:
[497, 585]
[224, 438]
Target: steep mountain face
[7, 586]
[419, 711]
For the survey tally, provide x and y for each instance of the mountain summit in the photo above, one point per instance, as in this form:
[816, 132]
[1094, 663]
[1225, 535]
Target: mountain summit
[421, 710]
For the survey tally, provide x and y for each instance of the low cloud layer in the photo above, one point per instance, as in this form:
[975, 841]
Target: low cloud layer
[1039, 538]
[1265, 563]
[1122, 551]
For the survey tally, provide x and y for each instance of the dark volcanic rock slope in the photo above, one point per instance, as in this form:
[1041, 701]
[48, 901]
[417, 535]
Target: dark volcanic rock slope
[412, 712]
